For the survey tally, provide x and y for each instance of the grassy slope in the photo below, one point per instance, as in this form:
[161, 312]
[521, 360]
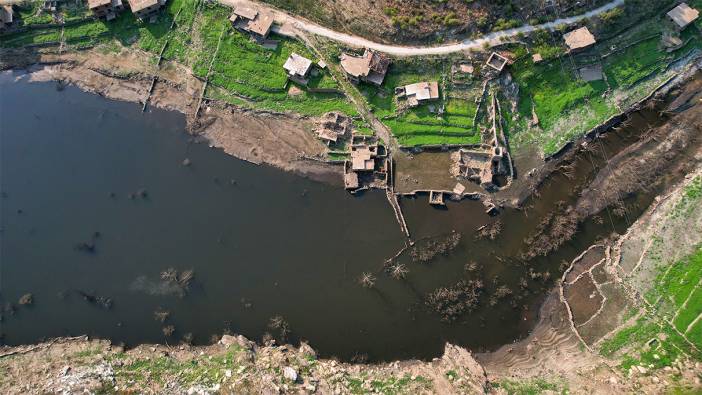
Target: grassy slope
[242, 70]
[250, 75]
[419, 126]
[675, 289]
[568, 106]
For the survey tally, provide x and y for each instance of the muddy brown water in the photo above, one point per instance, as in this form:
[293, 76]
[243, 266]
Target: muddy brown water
[262, 243]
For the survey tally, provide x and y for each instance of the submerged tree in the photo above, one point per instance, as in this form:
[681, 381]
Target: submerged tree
[398, 271]
[367, 280]
[452, 302]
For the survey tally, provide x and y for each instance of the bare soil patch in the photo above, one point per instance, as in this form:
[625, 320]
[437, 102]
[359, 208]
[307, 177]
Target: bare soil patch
[583, 298]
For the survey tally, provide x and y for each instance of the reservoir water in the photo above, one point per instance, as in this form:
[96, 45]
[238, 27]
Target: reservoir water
[96, 204]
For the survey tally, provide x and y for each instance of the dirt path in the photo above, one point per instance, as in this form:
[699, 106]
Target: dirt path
[289, 25]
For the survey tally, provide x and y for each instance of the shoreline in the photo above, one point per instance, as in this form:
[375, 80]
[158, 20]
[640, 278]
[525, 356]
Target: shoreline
[255, 136]
[280, 140]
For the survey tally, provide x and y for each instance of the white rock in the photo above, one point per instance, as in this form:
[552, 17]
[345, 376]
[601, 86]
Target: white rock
[613, 380]
[228, 373]
[290, 373]
[641, 369]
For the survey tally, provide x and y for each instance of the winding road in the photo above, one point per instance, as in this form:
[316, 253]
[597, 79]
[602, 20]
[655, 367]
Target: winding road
[289, 25]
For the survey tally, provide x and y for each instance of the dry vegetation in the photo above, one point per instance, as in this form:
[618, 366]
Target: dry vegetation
[428, 20]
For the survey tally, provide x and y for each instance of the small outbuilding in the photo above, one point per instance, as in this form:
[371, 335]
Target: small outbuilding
[436, 198]
[579, 39]
[683, 15]
[497, 61]
[371, 67]
[298, 68]
[537, 58]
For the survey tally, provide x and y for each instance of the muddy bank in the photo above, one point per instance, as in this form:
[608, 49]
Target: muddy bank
[533, 171]
[276, 139]
[598, 295]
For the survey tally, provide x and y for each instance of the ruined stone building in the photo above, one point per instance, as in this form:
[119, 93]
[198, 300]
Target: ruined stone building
[371, 67]
[333, 126]
[368, 167]
[479, 166]
[497, 61]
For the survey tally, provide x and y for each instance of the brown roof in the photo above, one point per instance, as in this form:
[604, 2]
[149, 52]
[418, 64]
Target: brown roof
[467, 68]
[246, 12]
[683, 15]
[579, 38]
[362, 66]
[138, 5]
[355, 65]
[98, 3]
[379, 63]
[262, 24]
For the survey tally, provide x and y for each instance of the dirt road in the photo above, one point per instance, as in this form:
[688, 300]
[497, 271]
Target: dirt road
[289, 25]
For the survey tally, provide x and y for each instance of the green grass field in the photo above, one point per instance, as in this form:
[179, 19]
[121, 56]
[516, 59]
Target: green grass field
[245, 72]
[419, 125]
[567, 106]
[250, 75]
[674, 290]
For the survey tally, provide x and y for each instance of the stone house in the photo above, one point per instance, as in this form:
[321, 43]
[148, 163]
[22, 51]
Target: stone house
[371, 67]
[252, 21]
[107, 9]
[298, 68]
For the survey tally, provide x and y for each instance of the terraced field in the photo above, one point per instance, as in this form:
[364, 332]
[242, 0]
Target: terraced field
[669, 325]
